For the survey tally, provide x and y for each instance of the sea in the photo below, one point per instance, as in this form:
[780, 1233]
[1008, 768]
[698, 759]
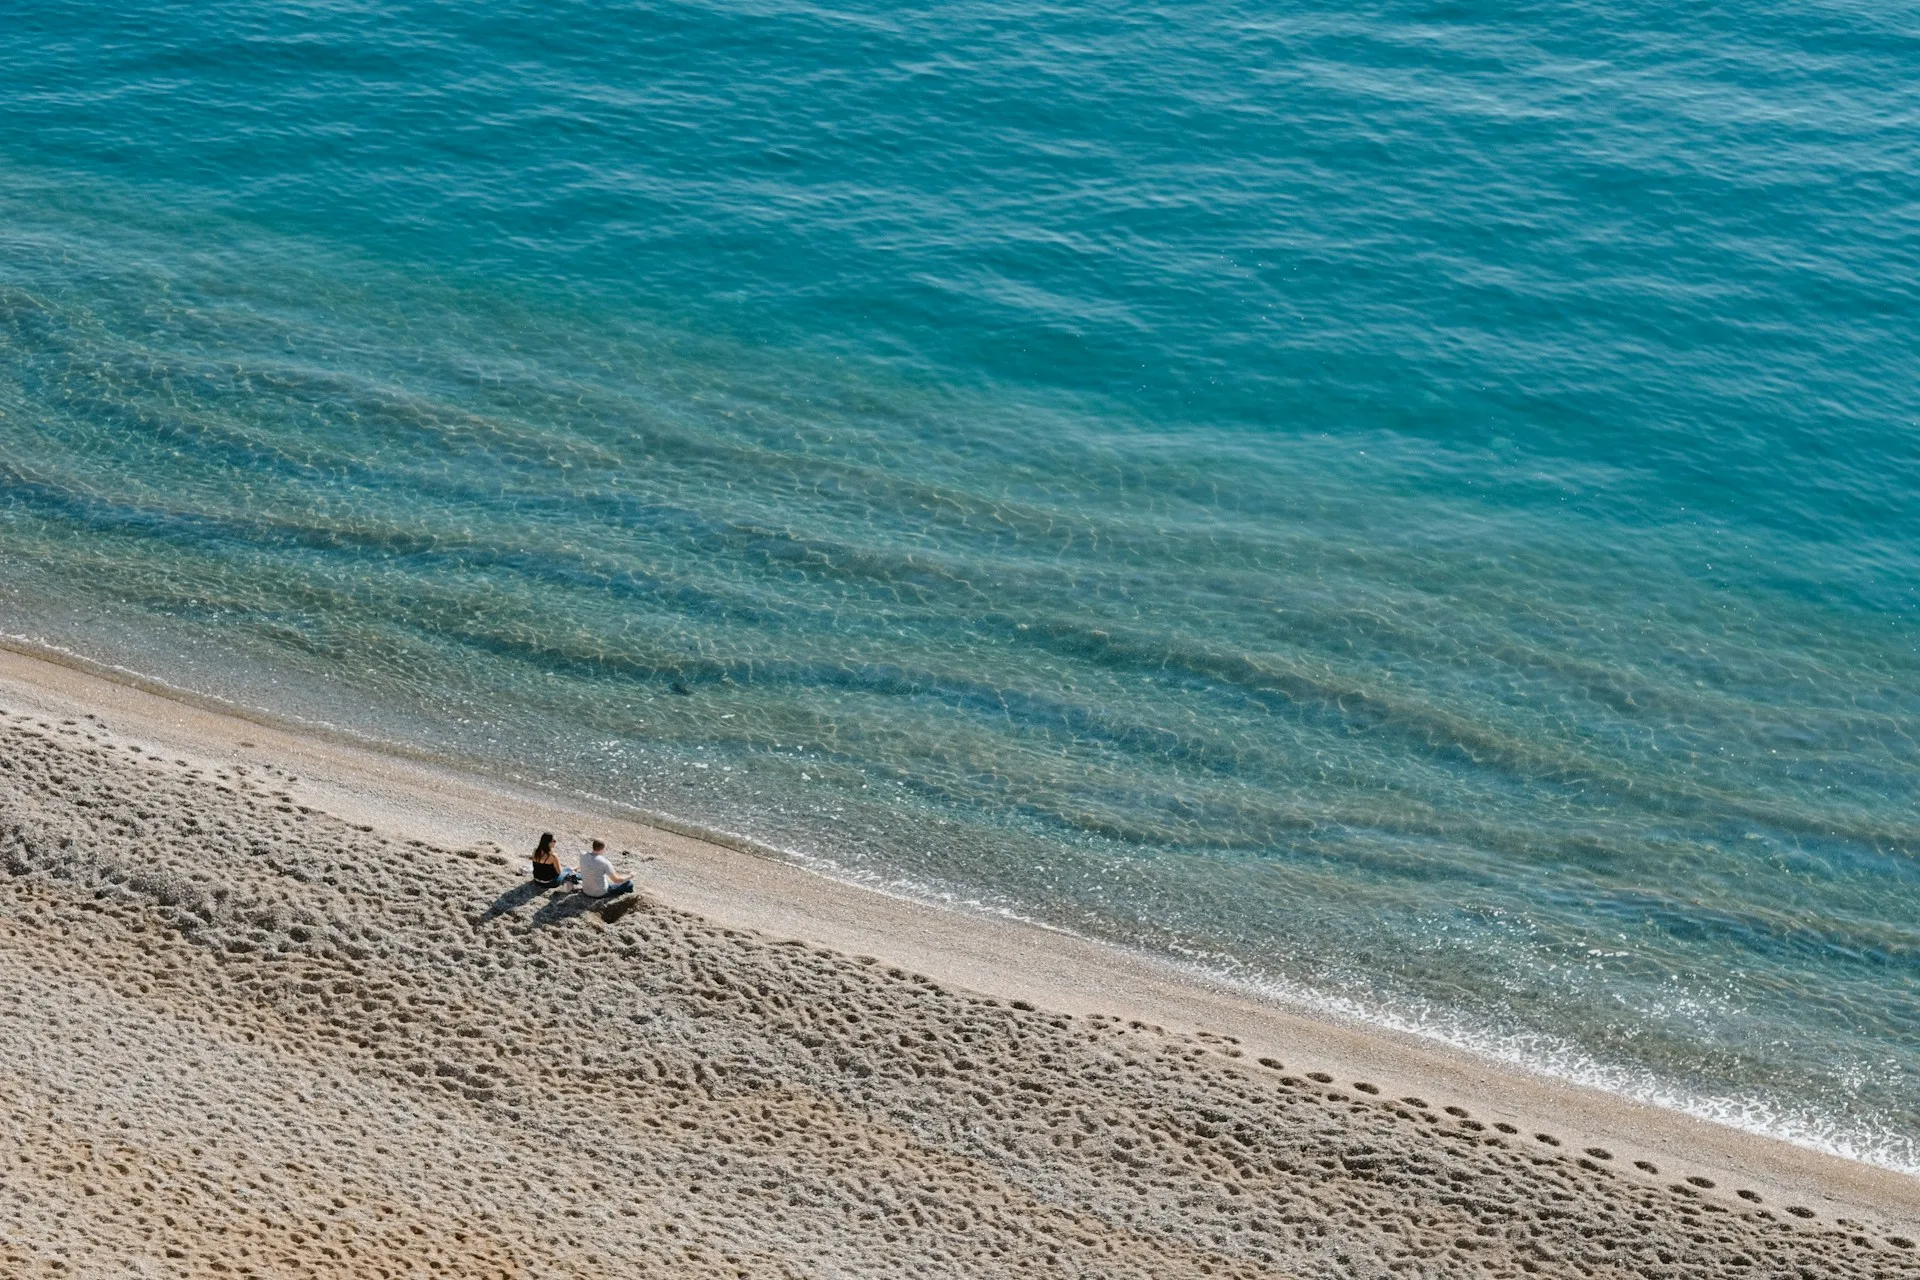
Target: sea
[1410, 508]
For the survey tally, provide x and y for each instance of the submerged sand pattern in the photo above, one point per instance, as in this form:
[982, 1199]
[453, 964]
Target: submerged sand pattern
[241, 1036]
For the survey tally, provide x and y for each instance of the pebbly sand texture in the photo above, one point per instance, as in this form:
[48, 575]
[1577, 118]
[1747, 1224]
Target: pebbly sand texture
[239, 1036]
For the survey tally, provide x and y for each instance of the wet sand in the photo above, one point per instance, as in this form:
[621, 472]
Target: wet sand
[274, 1004]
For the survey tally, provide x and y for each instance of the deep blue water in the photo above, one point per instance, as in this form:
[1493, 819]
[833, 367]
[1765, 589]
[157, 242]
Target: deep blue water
[1409, 506]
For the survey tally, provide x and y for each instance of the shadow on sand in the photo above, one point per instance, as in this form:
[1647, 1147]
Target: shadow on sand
[563, 903]
[515, 898]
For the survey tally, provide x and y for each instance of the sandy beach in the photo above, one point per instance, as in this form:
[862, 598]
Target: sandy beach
[277, 1004]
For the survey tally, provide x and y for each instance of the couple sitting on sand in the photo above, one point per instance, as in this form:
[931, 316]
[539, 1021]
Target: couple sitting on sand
[595, 876]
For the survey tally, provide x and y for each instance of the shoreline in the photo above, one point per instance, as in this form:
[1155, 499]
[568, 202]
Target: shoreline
[408, 799]
[699, 869]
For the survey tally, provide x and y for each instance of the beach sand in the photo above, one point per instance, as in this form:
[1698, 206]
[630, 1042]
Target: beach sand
[275, 1004]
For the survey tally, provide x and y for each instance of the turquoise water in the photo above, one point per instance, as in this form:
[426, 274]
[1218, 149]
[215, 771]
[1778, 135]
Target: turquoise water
[1410, 507]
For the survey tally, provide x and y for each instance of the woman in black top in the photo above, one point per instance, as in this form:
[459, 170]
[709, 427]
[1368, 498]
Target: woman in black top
[546, 863]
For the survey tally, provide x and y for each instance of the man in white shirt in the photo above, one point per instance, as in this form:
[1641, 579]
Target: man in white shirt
[596, 874]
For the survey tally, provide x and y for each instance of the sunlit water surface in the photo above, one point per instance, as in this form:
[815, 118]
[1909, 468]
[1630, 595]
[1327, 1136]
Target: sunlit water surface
[1409, 507]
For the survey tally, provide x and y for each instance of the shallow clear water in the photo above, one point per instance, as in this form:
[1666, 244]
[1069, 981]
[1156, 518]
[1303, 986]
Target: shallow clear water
[1411, 507]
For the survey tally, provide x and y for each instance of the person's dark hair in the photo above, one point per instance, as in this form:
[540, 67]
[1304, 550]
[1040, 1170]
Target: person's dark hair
[545, 847]
[598, 845]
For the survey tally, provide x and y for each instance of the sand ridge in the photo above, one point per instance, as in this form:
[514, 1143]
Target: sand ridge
[243, 1036]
